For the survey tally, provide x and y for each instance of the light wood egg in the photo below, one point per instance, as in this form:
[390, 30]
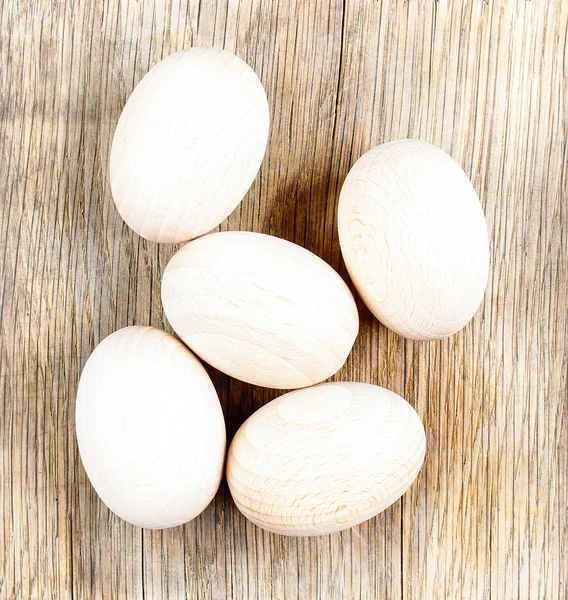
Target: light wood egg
[188, 144]
[414, 239]
[325, 458]
[260, 308]
[150, 428]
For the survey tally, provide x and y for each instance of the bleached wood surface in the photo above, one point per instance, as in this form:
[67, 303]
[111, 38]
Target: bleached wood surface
[486, 81]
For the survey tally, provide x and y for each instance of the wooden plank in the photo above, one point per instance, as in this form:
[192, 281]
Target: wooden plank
[485, 80]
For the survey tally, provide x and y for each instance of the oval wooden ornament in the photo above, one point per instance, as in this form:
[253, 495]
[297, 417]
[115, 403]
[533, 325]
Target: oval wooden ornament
[150, 428]
[260, 309]
[322, 459]
[188, 144]
[414, 239]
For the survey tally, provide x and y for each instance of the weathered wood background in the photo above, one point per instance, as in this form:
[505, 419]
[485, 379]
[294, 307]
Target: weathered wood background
[485, 80]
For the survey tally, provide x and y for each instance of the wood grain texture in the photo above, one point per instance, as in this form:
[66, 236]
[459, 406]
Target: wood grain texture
[188, 144]
[150, 429]
[260, 309]
[325, 458]
[414, 239]
[484, 79]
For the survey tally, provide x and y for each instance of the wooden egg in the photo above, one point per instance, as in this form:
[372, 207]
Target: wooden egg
[259, 308]
[150, 429]
[325, 458]
[188, 144]
[414, 239]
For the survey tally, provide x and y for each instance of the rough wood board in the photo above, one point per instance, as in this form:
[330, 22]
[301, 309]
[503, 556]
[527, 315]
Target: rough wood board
[485, 80]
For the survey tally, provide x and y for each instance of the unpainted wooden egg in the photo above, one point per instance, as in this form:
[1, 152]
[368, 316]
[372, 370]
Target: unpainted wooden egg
[414, 239]
[150, 428]
[325, 458]
[260, 309]
[188, 144]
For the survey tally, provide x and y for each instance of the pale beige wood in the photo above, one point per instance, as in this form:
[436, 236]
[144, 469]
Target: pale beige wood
[188, 144]
[326, 458]
[486, 81]
[260, 308]
[414, 239]
[150, 429]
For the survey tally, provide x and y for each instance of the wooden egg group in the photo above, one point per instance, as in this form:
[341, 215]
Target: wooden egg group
[317, 460]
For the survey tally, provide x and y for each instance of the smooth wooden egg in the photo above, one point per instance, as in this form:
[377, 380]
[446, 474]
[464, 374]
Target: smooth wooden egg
[414, 239]
[259, 308]
[150, 428]
[325, 458]
[188, 144]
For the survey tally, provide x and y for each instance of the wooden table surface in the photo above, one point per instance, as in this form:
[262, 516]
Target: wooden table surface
[486, 81]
